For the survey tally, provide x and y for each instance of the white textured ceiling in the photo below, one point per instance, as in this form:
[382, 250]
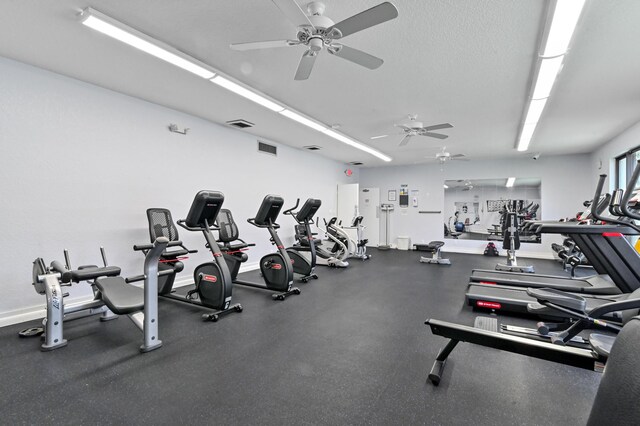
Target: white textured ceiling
[464, 62]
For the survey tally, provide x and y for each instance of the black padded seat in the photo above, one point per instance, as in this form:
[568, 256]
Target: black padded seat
[616, 402]
[234, 247]
[92, 272]
[121, 298]
[172, 254]
[432, 247]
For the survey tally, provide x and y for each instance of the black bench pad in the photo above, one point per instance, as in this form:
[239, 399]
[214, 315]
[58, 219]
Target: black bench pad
[120, 297]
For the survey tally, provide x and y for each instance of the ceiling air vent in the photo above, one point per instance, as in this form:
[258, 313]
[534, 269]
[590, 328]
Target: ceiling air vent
[240, 123]
[267, 149]
[312, 147]
[355, 163]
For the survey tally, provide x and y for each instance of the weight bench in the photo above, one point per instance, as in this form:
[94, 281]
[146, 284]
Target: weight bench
[434, 248]
[112, 296]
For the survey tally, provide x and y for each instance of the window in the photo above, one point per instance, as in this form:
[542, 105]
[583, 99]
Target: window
[625, 164]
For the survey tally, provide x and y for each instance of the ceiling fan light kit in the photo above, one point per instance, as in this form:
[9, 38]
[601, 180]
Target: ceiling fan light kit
[132, 37]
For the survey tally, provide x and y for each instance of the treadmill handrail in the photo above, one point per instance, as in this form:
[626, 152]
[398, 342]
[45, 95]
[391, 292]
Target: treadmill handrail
[624, 204]
[595, 213]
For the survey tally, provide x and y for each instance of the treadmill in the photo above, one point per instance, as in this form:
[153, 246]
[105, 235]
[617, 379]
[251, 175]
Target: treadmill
[613, 246]
[611, 255]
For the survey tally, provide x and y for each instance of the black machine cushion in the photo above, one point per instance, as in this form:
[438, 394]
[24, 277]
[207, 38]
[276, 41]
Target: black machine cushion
[90, 273]
[120, 297]
[432, 247]
[617, 399]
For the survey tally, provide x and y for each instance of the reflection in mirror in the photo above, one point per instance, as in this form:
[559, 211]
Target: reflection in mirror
[476, 209]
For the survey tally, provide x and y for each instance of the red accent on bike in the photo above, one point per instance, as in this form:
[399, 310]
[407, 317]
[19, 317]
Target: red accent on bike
[210, 278]
[280, 247]
[611, 234]
[236, 251]
[173, 259]
[489, 305]
[276, 266]
[488, 282]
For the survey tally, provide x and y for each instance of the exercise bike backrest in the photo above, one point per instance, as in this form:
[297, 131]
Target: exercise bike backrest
[268, 212]
[161, 225]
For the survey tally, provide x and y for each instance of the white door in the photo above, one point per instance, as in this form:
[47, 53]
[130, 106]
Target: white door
[347, 203]
[369, 205]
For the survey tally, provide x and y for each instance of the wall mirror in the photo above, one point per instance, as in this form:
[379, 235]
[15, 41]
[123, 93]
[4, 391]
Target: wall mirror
[475, 209]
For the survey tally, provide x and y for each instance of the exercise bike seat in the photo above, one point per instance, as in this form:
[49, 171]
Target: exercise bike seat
[121, 298]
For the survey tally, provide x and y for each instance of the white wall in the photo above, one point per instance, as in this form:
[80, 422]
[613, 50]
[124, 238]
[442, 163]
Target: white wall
[80, 165]
[565, 186]
[606, 154]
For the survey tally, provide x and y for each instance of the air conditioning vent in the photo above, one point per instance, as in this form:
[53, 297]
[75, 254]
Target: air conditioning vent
[240, 123]
[355, 163]
[267, 149]
[312, 147]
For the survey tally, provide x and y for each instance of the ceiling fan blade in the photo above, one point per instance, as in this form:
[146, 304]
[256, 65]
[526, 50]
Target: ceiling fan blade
[435, 135]
[306, 65]
[293, 12]
[356, 56]
[379, 137]
[438, 127]
[263, 44]
[376, 15]
[405, 140]
[457, 156]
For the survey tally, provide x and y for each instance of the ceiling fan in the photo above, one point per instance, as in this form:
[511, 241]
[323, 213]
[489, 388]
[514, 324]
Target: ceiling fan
[316, 31]
[412, 127]
[444, 156]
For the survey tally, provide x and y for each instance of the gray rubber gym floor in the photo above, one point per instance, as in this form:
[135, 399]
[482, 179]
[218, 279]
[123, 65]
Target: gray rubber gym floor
[351, 349]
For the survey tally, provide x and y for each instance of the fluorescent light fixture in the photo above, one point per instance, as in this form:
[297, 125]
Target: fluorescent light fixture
[549, 69]
[246, 93]
[536, 107]
[358, 145]
[109, 26]
[565, 19]
[445, 186]
[379, 137]
[303, 120]
[119, 31]
[510, 182]
[526, 135]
